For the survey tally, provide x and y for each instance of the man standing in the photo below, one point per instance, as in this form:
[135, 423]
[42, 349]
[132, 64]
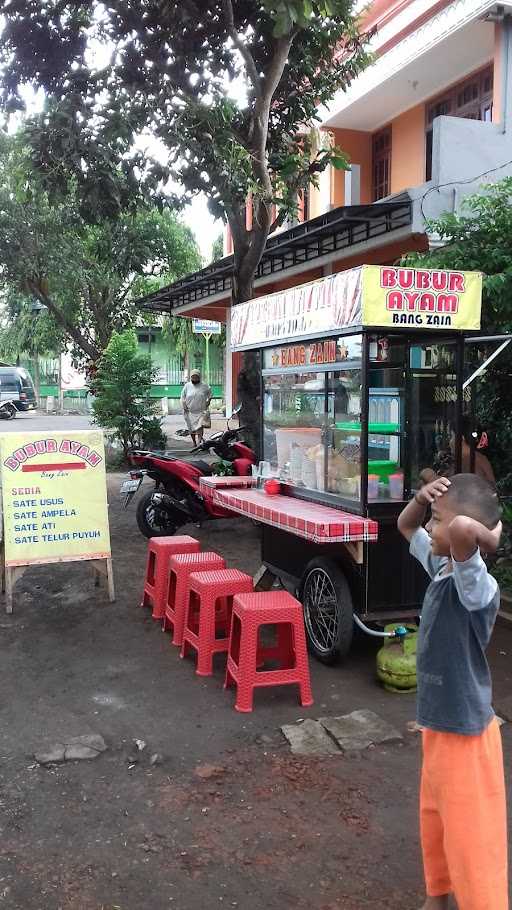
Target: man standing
[195, 401]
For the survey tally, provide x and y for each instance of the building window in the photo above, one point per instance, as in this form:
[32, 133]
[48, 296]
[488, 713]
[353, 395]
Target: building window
[381, 164]
[471, 99]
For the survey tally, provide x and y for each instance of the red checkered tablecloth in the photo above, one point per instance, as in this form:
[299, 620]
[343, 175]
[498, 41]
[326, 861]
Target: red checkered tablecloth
[315, 522]
[209, 485]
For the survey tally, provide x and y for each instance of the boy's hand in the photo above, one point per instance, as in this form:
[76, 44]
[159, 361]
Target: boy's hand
[427, 476]
[432, 491]
[413, 515]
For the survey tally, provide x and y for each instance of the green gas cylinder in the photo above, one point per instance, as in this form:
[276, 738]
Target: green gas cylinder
[396, 660]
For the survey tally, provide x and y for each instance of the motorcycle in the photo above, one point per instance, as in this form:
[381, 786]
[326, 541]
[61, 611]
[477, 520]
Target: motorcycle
[8, 410]
[177, 499]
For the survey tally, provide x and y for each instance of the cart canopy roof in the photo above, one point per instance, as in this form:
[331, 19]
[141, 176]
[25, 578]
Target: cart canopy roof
[370, 296]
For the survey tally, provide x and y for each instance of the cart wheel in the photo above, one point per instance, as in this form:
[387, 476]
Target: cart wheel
[328, 610]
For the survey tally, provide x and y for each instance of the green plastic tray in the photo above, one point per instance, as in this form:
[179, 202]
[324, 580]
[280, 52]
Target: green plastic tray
[372, 427]
[382, 468]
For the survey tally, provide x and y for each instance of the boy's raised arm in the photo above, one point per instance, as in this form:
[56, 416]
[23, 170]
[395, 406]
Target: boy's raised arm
[467, 534]
[413, 515]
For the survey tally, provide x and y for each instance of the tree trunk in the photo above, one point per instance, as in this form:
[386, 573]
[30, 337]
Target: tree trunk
[249, 246]
[249, 379]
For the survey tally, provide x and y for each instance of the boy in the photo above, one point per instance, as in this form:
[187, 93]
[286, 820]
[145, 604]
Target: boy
[462, 803]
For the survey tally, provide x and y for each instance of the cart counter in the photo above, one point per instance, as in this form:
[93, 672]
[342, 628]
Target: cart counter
[312, 521]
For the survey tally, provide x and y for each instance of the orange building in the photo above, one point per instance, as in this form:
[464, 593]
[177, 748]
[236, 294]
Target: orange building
[427, 123]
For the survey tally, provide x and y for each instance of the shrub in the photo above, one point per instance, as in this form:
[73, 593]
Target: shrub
[122, 387]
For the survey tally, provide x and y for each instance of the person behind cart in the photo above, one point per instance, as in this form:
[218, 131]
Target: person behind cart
[462, 803]
[195, 401]
[474, 440]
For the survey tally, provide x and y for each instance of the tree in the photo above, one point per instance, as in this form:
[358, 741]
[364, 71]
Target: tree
[480, 239]
[171, 74]
[88, 276]
[25, 330]
[122, 386]
[218, 248]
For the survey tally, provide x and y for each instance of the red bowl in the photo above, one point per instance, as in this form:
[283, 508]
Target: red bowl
[272, 487]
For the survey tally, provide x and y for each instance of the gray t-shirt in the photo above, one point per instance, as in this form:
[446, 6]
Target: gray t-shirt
[457, 619]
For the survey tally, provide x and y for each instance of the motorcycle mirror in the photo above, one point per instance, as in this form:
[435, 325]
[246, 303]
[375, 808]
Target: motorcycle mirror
[234, 413]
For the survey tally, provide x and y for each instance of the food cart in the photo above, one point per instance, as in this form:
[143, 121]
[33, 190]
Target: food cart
[365, 377]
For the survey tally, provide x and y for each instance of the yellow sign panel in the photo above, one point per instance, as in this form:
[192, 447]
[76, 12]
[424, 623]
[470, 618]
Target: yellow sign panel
[54, 497]
[397, 297]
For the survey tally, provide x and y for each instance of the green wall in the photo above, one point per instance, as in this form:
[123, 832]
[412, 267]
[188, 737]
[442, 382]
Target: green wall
[170, 364]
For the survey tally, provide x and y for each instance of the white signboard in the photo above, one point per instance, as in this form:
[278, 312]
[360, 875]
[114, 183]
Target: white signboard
[310, 309]
[206, 327]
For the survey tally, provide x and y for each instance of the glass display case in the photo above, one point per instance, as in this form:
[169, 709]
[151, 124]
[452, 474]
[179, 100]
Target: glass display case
[312, 396]
[433, 379]
[313, 421]
[324, 405]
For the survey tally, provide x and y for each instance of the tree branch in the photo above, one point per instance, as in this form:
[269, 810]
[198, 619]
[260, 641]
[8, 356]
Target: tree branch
[250, 65]
[262, 113]
[61, 319]
[277, 222]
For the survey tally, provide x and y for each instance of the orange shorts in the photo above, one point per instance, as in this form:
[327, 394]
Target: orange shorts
[463, 818]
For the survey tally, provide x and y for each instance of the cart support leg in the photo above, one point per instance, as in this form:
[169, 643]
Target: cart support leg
[264, 579]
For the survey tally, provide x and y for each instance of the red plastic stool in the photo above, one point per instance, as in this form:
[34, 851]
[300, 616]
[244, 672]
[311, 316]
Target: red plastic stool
[208, 614]
[160, 550]
[250, 611]
[181, 567]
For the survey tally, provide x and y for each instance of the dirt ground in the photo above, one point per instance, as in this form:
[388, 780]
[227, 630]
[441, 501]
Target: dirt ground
[227, 816]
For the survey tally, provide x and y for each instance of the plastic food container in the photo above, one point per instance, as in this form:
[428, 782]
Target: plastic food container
[309, 473]
[272, 487]
[305, 437]
[396, 486]
[296, 459]
[382, 468]
[373, 486]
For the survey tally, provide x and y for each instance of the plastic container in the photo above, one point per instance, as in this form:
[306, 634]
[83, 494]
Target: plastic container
[382, 468]
[373, 486]
[272, 487]
[320, 471]
[309, 473]
[296, 458]
[264, 469]
[396, 486]
[305, 437]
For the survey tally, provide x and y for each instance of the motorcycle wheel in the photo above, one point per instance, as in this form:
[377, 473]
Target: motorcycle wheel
[8, 412]
[155, 522]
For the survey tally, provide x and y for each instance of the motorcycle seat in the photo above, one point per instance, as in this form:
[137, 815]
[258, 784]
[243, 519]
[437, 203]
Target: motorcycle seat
[202, 466]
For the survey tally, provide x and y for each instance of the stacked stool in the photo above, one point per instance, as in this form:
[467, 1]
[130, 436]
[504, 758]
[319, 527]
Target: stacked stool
[214, 610]
[209, 609]
[160, 551]
[181, 567]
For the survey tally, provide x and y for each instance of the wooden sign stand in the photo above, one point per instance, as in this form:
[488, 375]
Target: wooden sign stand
[102, 568]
